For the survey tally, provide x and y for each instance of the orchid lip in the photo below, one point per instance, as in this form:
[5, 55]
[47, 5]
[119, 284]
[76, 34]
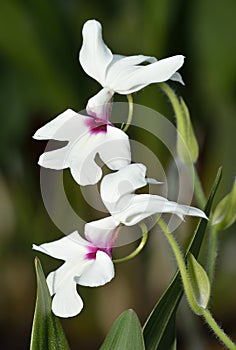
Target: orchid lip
[97, 125]
[92, 252]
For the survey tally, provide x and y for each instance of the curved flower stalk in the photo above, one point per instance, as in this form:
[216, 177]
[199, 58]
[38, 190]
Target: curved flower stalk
[86, 137]
[121, 74]
[87, 263]
[128, 208]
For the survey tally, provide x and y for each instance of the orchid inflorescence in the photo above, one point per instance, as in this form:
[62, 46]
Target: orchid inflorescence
[88, 261]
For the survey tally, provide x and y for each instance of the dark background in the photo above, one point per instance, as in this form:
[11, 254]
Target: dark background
[39, 78]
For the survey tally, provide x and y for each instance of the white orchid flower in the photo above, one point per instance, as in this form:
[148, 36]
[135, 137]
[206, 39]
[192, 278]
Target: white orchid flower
[126, 207]
[87, 263]
[86, 137]
[117, 73]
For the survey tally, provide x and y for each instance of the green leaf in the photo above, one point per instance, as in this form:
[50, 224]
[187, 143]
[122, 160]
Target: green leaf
[159, 324]
[47, 332]
[225, 212]
[126, 333]
[199, 281]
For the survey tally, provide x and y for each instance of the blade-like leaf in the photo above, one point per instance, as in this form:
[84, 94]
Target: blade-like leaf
[47, 332]
[168, 341]
[126, 333]
[199, 281]
[159, 324]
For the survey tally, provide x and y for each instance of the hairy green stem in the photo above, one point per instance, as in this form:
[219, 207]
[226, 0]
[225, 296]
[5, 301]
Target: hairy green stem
[198, 190]
[189, 292]
[130, 114]
[182, 267]
[139, 248]
[217, 330]
[212, 253]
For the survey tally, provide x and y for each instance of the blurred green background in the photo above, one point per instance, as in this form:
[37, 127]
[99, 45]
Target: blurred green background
[39, 78]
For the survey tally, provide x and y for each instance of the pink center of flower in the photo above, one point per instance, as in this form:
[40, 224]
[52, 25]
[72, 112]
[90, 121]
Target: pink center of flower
[97, 125]
[92, 251]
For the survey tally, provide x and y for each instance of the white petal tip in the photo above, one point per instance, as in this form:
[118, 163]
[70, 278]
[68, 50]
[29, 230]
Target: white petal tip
[91, 22]
[36, 247]
[41, 162]
[202, 214]
[67, 314]
[36, 136]
[67, 303]
[178, 78]
[153, 181]
[181, 57]
[198, 213]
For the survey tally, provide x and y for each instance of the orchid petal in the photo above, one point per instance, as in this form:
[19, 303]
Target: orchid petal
[152, 181]
[101, 232]
[113, 148]
[85, 264]
[69, 270]
[83, 145]
[68, 247]
[56, 159]
[83, 167]
[181, 210]
[138, 208]
[99, 106]
[68, 126]
[177, 77]
[94, 55]
[128, 208]
[126, 181]
[134, 78]
[142, 206]
[99, 272]
[122, 65]
[67, 302]
[120, 62]
[121, 74]
[62, 128]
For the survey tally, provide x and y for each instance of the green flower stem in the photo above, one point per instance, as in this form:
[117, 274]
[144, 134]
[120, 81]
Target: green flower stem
[130, 115]
[138, 249]
[217, 330]
[182, 267]
[172, 97]
[198, 190]
[212, 254]
[188, 289]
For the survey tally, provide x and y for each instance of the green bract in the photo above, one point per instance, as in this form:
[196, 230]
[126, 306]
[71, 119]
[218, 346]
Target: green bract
[199, 281]
[225, 212]
[187, 146]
